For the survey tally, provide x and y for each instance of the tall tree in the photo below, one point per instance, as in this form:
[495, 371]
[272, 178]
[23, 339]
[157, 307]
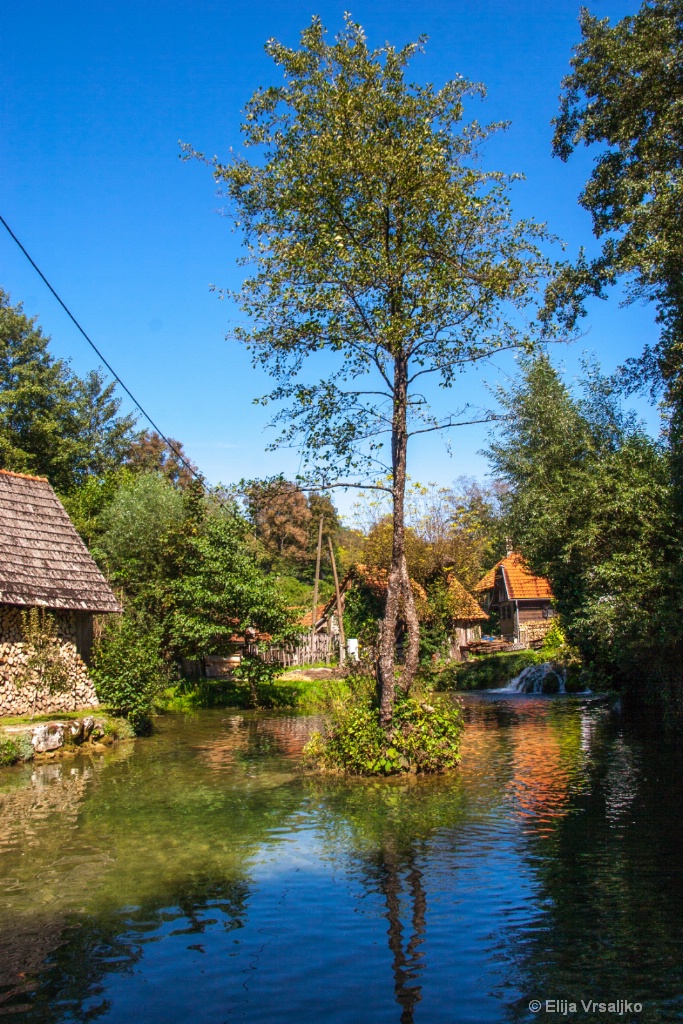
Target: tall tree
[625, 95]
[52, 422]
[150, 453]
[281, 517]
[377, 239]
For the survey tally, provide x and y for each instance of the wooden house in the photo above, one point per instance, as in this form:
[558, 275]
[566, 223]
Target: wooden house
[45, 564]
[523, 601]
[467, 616]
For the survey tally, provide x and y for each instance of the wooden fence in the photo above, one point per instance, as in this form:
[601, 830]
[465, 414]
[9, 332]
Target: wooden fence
[324, 647]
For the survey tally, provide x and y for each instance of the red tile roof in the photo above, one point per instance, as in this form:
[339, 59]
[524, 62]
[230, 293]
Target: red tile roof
[22, 476]
[520, 582]
[488, 582]
[307, 618]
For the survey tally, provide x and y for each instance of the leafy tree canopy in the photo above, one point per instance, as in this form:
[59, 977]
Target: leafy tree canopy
[149, 453]
[280, 515]
[625, 94]
[184, 561]
[375, 235]
[53, 423]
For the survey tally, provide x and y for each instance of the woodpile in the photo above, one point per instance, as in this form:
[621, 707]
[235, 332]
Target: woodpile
[491, 647]
[534, 633]
[13, 656]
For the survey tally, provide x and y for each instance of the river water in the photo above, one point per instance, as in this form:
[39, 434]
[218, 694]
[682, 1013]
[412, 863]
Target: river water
[199, 876]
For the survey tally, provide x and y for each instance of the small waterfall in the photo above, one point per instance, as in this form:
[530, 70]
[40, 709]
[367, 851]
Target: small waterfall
[543, 678]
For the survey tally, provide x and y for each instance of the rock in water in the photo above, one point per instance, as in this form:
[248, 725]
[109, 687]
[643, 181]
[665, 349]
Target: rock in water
[76, 731]
[47, 737]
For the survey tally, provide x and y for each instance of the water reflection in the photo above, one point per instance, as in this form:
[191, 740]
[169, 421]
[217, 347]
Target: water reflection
[201, 876]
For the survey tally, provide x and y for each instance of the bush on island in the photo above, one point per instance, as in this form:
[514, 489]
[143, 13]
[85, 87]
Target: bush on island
[424, 737]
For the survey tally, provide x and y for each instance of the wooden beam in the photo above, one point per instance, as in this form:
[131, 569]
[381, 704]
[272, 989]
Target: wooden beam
[340, 610]
[315, 589]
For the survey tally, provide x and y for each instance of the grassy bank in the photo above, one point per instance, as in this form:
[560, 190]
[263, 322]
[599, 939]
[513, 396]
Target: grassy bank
[292, 689]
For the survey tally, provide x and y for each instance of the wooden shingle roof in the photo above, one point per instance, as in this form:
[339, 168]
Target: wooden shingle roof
[461, 604]
[43, 561]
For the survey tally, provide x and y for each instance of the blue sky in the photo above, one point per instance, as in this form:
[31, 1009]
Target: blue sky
[94, 99]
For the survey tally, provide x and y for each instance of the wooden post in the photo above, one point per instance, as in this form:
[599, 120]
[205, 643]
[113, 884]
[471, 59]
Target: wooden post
[340, 610]
[315, 589]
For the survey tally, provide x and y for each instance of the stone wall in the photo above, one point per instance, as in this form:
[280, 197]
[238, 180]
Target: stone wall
[13, 654]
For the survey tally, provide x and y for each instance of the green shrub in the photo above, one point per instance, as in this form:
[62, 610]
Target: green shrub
[258, 675]
[424, 737]
[119, 729]
[129, 671]
[9, 752]
[22, 742]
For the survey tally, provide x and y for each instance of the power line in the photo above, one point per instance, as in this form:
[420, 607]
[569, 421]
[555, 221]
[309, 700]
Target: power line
[93, 346]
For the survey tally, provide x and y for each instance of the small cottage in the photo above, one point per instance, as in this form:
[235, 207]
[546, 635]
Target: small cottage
[467, 616]
[523, 601]
[45, 564]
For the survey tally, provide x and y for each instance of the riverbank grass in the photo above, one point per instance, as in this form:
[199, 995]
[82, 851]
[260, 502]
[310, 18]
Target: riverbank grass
[303, 689]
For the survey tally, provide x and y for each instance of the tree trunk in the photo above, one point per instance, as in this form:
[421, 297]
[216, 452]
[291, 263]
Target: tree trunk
[399, 592]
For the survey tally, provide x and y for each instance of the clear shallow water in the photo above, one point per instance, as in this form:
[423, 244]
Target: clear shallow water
[199, 876]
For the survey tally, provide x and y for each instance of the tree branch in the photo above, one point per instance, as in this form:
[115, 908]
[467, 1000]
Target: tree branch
[462, 423]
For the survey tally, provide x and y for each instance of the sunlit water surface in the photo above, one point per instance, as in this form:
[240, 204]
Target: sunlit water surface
[199, 876]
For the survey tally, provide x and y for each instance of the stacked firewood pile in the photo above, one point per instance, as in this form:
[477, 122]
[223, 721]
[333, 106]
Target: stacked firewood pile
[14, 654]
[491, 647]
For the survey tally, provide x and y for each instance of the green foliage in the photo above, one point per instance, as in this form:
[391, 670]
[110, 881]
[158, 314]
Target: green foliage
[368, 195]
[258, 675]
[53, 423]
[22, 742]
[220, 590]
[435, 632]
[119, 729]
[87, 503]
[372, 233]
[46, 669]
[485, 672]
[9, 752]
[138, 531]
[296, 594]
[129, 671]
[16, 748]
[624, 93]
[424, 737]
[590, 508]
[363, 611]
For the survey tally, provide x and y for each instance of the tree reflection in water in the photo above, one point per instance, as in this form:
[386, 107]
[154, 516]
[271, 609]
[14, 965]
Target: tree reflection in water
[406, 964]
[202, 872]
[90, 949]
